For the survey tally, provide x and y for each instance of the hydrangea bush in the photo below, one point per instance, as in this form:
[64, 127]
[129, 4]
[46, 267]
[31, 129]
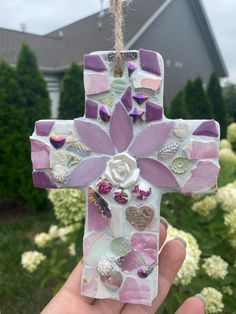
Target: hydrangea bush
[206, 223]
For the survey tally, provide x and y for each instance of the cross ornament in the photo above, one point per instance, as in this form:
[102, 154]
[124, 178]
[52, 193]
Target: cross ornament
[125, 154]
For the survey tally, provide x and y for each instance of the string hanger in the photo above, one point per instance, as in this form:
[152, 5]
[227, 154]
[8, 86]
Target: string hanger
[116, 6]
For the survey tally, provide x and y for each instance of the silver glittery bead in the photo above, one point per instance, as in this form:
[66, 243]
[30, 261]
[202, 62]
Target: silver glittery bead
[59, 174]
[105, 267]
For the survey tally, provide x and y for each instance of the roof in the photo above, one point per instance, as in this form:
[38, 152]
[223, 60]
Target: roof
[55, 52]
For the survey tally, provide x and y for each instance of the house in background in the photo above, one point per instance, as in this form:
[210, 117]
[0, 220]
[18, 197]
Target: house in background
[178, 29]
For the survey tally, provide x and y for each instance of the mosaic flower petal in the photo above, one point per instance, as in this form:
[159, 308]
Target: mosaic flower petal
[87, 172]
[203, 178]
[201, 150]
[94, 136]
[149, 61]
[43, 127]
[127, 99]
[156, 173]
[150, 139]
[135, 292]
[207, 128]
[40, 154]
[146, 244]
[121, 128]
[42, 180]
[94, 63]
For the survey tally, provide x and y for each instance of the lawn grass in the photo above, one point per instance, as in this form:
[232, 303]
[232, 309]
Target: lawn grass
[20, 291]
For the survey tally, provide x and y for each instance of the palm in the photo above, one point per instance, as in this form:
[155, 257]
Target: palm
[69, 299]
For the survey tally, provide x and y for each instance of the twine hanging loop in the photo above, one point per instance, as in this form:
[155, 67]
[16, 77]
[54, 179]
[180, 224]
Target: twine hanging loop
[116, 6]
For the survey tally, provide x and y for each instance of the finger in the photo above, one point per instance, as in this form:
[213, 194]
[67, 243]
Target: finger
[193, 305]
[70, 294]
[170, 261]
[163, 231]
[73, 283]
[106, 305]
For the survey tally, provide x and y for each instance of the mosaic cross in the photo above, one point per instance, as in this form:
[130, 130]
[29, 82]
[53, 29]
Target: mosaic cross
[125, 154]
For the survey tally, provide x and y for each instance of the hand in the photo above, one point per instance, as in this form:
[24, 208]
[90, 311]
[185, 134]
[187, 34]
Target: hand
[69, 300]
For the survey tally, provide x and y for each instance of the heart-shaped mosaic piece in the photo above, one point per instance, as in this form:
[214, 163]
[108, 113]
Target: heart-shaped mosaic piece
[140, 217]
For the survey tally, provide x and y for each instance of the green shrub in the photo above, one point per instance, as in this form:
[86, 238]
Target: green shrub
[33, 86]
[72, 93]
[215, 95]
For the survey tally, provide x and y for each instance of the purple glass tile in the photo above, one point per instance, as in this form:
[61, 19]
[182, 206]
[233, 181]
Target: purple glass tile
[147, 141]
[94, 136]
[127, 99]
[91, 109]
[42, 180]
[207, 128]
[96, 222]
[203, 178]
[149, 61]
[87, 171]
[136, 291]
[121, 128]
[94, 62]
[156, 173]
[146, 244]
[43, 127]
[154, 112]
[40, 154]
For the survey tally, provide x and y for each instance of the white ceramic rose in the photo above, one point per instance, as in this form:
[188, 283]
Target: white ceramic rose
[122, 170]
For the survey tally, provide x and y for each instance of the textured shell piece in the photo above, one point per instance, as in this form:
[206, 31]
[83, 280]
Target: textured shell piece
[79, 148]
[169, 150]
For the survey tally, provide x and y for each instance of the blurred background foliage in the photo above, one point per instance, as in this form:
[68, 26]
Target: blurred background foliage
[41, 231]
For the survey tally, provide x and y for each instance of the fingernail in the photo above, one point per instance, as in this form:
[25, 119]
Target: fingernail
[164, 222]
[200, 296]
[181, 240]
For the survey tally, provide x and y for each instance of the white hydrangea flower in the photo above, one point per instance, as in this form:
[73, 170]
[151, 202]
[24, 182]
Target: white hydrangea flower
[214, 299]
[205, 206]
[42, 239]
[72, 249]
[225, 144]
[227, 159]
[231, 133]
[230, 222]
[190, 266]
[69, 205]
[30, 260]
[65, 231]
[215, 267]
[226, 196]
[227, 290]
[53, 231]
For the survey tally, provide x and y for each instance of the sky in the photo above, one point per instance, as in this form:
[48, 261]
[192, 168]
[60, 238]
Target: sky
[44, 16]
